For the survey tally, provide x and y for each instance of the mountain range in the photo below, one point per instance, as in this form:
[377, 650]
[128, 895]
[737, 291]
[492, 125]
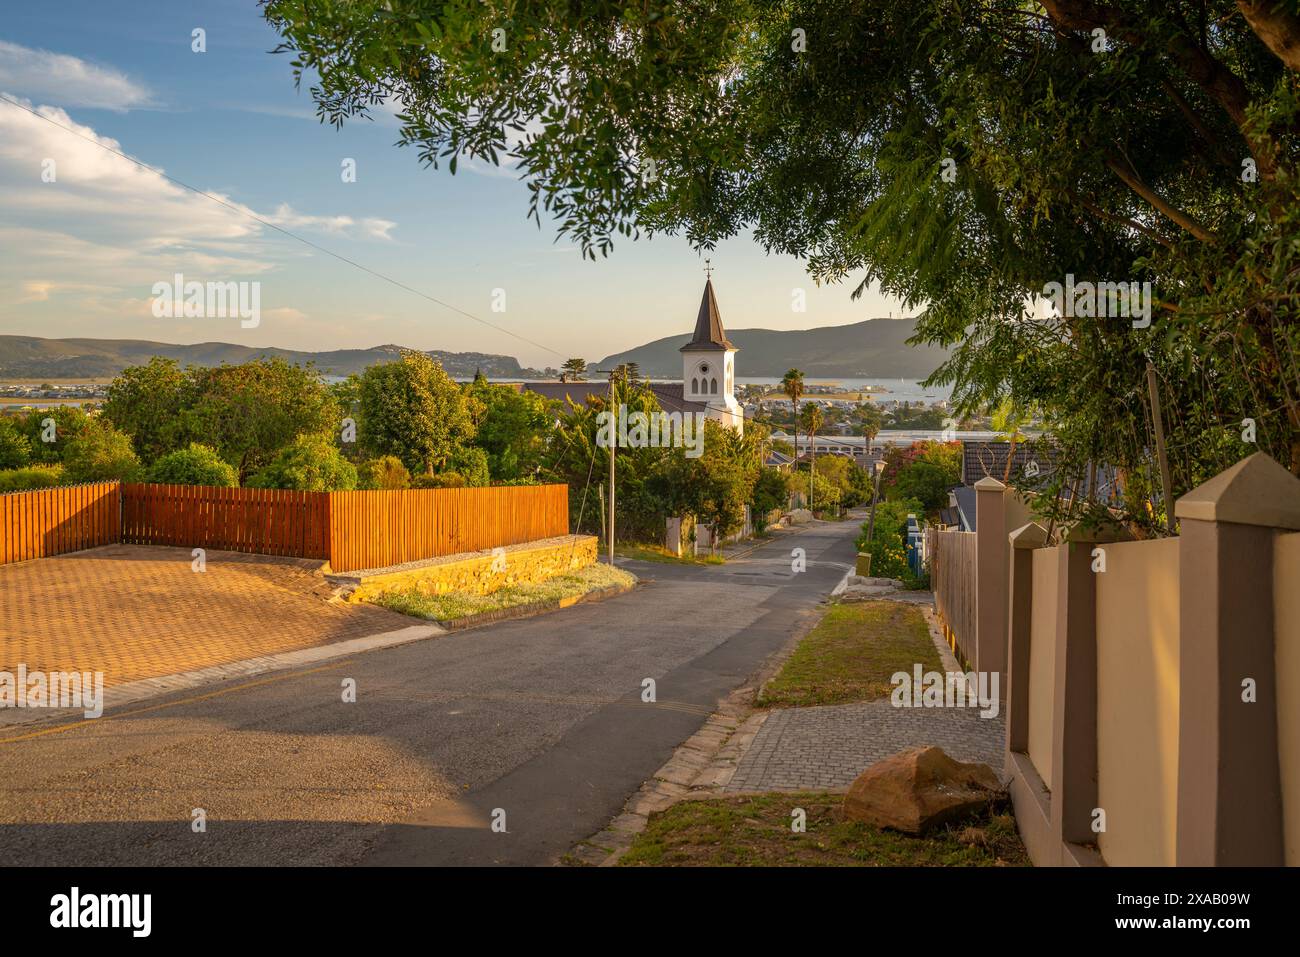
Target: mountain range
[872, 348]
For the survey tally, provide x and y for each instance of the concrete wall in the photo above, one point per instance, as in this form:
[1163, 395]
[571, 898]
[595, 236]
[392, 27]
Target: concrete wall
[1042, 659]
[1286, 592]
[1137, 702]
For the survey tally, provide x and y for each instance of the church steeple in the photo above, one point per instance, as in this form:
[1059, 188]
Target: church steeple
[709, 334]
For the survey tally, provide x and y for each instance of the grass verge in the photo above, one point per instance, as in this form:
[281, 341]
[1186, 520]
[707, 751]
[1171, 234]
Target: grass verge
[851, 654]
[656, 553]
[755, 831]
[458, 604]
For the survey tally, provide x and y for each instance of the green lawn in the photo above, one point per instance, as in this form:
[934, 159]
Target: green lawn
[657, 553]
[756, 832]
[851, 655]
[456, 604]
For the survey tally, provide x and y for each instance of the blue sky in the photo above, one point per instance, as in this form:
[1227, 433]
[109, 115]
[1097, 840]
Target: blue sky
[79, 255]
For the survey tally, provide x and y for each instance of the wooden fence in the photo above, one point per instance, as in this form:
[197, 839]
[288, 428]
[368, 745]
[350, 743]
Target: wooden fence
[267, 521]
[51, 521]
[353, 530]
[377, 529]
[952, 576]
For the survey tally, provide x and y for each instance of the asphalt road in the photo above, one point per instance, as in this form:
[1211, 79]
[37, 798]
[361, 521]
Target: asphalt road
[538, 724]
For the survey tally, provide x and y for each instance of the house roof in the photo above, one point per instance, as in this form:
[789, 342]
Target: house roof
[709, 334]
[669, 394]
[965, 495]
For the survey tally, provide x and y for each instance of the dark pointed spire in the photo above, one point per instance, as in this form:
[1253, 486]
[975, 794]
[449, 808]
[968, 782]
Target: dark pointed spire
[709, 334]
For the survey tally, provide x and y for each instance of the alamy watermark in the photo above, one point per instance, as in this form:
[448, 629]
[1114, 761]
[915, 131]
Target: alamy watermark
[640, 430]
[1101, 300]
[53, 689]
[179, 299]
[952, 689]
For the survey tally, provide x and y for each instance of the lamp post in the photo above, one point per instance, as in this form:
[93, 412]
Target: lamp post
[875, 497]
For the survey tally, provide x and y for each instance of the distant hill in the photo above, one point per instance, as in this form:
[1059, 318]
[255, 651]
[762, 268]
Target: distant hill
[876, 347]
[31, 357]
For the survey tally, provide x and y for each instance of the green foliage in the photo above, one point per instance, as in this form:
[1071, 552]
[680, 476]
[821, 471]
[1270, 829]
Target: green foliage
[958, 157]
[313, 463]
[15, 447]
[771, 491]
[925, 483]
[413, 410]
[99, 453]
[34, 477]
[385, 472]
[146, 402]
[69, 421]
[471, 463]
[512, 426]
[194, 465]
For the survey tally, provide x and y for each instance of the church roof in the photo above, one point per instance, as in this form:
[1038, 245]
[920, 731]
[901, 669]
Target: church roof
[709, 334]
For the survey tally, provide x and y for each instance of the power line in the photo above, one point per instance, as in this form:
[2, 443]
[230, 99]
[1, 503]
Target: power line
[280, 229]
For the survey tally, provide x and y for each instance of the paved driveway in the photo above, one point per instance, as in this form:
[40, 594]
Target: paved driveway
[136, 611]
[542, 719]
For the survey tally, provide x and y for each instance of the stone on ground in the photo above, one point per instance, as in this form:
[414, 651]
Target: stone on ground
[919, 789]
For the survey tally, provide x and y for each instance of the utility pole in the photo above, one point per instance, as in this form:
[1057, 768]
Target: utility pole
[613, 452]
[879, 467]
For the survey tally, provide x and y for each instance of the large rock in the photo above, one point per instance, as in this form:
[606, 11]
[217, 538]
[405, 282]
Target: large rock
[919, 789]
[800, 516]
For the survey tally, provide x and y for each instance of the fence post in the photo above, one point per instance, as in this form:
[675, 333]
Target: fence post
[1229, 779]
[991, 549]
[1023, 541]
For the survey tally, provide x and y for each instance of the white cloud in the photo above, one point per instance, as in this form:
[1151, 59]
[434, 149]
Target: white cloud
[110, 226]
[68, 80]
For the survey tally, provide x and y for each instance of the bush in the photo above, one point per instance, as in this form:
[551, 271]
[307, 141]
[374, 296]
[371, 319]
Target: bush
[196, 465]
[15, 448]
[441, 480]
[26, 479]
[471, 462]
[385, 472]
[312, 463]
[771, 491]
[100, 453]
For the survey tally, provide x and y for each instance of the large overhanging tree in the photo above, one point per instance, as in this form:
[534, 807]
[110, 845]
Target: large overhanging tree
[962, 153]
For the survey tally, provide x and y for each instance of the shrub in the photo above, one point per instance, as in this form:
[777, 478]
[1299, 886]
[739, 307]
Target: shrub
[312, 463]
[15, 448]
[26, 479]
[196, 465]
[385, 472]
[100, 453]
[441, 480]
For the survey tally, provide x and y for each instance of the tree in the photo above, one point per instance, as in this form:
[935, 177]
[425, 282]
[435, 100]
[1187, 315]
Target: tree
[49, 431]
[511, 426]
[771, 492]
[99, 453]
[792, 386]
[413, 410]
[194, 465]
[250, 412]
[146, 402]
[960, 156]
[312, 463]
[385, 472]
[868, 419]
[812, 424]
[923, 482]
[15, 447]
[573, 370]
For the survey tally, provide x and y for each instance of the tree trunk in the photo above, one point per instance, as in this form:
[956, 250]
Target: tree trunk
[1278, 28]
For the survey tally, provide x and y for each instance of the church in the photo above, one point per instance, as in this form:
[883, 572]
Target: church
[708, 374]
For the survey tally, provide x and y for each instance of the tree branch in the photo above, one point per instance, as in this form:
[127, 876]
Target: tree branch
[1279, 29]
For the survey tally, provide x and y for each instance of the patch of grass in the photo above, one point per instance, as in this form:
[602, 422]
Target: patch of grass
[851, 655]
[755, 831]
[459, 604]
[657, 553]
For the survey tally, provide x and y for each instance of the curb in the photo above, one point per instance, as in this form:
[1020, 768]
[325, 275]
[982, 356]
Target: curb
[532, 609]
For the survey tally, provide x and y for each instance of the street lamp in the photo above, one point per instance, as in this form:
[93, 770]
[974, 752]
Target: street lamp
[875, 497]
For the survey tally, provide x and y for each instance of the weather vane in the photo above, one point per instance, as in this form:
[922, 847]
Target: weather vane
[708, 269]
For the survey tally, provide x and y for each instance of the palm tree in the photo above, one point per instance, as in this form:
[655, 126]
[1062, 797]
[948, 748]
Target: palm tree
[812, 424]
[792, 385]
[574, 370]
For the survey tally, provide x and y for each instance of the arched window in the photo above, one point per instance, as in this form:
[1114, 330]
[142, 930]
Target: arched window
[695, 385]
[713, 386]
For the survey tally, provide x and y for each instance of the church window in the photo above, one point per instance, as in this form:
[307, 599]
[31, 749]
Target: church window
[713, 386]
[695, 385]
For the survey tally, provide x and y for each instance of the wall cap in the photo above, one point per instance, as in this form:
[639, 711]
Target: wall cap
[1255, 491]
[989, 484]
[1031, 535]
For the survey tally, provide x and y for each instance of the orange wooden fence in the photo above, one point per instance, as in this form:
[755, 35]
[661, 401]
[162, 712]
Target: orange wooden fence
[377, 529]
[267, 521]
[354, 530]
[51, 521]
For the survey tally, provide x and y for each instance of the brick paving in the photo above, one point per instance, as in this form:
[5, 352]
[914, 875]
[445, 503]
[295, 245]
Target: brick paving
[135, 612]
[827, 747]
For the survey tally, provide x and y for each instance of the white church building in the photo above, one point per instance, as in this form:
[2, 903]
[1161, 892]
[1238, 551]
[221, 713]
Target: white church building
[709, 366]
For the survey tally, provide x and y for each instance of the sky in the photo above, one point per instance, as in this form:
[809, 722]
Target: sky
[86, 234]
